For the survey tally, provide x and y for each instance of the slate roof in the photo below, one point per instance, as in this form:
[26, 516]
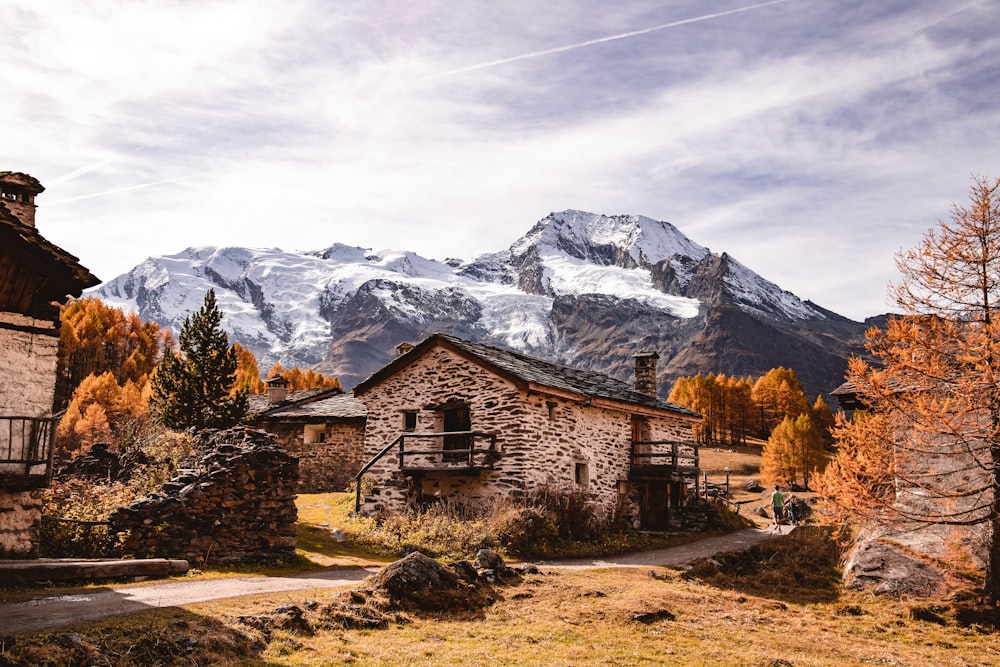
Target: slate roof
[526, 369]
[309, 404]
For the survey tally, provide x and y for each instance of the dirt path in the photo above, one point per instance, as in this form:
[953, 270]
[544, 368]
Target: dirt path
[54, 611]
[741, 539]
[47, 612]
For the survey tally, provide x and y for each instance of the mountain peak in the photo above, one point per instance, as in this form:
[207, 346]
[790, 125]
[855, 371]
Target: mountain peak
[629, 241]
[579, 288]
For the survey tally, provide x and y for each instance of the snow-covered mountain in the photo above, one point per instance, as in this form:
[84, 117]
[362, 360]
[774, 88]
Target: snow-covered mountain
[578, 288]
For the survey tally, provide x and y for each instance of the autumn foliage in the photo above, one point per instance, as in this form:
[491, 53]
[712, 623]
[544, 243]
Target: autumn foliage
[929, 451]
[96, 338]
[107, 360]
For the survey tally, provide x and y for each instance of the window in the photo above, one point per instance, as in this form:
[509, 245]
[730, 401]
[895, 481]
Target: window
[314, 434]
[552, 406]
[410, 420]
[581, 474]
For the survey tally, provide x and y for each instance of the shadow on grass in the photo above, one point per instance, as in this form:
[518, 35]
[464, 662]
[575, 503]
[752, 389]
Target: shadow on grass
[801, 567]
[316, 543]
[159, 637]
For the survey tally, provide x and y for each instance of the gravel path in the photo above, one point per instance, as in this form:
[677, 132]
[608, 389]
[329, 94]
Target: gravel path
[47, 612]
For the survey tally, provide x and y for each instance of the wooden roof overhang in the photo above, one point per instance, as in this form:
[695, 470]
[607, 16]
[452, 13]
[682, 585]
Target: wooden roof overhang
[36, 275]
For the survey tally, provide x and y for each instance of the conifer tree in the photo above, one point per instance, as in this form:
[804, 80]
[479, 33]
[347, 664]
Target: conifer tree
[191, 389]
[936, 388]
[793, 452]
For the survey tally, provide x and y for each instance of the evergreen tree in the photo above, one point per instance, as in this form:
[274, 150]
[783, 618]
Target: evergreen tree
[191, 389]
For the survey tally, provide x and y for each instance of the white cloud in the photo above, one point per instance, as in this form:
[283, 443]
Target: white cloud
[808, 139]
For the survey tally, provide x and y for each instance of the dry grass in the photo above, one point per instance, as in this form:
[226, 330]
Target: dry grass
[559, 617]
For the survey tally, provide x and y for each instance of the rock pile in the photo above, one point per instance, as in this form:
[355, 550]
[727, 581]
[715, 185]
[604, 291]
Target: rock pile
[237, 505]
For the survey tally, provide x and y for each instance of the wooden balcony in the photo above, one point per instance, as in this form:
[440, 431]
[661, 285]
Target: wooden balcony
[26, 452]
[462, 452]
[456, 451]
[663, 459]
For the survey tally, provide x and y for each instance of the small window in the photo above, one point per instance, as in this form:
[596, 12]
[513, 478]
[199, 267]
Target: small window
[553, 407]
[314, 434]
[581, 474]
[410, 420]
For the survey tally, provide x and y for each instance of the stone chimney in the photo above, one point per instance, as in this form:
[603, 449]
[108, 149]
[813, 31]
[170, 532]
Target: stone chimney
[277, 389]
[403, 348]
[645, 373]
[17, 192]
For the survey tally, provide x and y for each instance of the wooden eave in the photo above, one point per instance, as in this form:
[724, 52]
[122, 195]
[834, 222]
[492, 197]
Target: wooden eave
[34, 273]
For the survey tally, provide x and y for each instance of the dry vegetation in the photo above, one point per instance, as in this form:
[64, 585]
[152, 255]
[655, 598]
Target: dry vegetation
[777, 605]
[629, 616]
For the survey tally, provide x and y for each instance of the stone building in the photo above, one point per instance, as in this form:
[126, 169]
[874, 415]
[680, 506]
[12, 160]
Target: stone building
[450, 418]
[324, 428]
[35, 277]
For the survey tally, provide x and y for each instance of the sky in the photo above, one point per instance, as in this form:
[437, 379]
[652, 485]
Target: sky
[810, 139]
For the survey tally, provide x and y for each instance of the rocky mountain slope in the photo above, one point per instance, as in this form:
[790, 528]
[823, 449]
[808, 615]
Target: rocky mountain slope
[579, 288]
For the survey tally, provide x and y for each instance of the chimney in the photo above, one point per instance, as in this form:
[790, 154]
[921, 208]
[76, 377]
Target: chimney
[17, 192]
[645, 373]
[403, 348]
[277, 389]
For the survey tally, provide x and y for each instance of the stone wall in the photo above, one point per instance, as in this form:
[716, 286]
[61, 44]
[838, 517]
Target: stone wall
[28, 368]
[237, 505]
[541, 437]
[324, 467]
[20, 523]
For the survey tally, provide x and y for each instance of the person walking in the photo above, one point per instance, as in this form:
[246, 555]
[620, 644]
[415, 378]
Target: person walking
[777, 507]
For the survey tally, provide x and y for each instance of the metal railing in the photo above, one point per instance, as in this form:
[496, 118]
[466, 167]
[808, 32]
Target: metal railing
[26, 450]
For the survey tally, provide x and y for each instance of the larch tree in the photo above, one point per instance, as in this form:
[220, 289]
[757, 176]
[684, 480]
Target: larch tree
[934, 395]
[95, 338]
[793, 452]
[778, 394]
[247, 372]
[192, 389]
[299, 380]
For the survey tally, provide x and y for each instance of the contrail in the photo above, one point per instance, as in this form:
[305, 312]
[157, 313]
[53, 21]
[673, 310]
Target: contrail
[140, 186]
[602, 40]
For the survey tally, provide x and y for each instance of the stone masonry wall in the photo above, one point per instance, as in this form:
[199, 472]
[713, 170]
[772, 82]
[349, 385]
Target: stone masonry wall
[20, 523]
[238, 505]
[328, 466]
[541, 438]
[28, 369]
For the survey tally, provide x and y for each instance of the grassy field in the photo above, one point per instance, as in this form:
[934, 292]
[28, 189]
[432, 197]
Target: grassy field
[777, 605]
[782, 606]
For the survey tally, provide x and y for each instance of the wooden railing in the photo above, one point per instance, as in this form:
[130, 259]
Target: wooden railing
[452, 451]
[653, 455]
[26, 451]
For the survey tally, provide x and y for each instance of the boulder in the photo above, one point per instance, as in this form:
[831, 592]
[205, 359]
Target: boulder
[421, 583]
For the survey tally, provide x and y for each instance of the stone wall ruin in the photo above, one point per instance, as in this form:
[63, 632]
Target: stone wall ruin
[237, 505]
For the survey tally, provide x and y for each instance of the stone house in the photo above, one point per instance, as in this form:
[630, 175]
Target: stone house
[35, 277]
[324, 428]
[450, 418]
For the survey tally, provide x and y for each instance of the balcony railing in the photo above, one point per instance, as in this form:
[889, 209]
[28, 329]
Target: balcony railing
[26, 451]
[654, 457]
[452, 451]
